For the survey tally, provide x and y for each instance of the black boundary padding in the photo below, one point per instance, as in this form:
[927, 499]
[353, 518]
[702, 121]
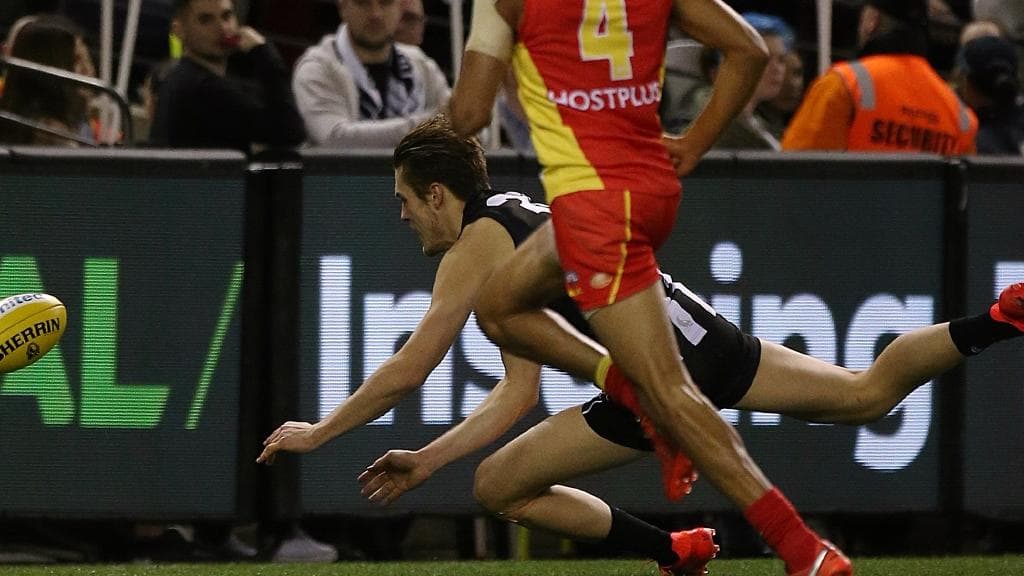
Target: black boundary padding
[279, 501]
[254, 372]
[995, 169]
[319, 161]
[125, 162]
[840, 165]
[273, 227]
[952, 392]
[525, 171]
[164, 164]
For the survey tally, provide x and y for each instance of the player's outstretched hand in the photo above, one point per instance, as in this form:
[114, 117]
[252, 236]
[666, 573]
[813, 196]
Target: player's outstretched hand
[684, 153]
[289, 437]
[392, 475]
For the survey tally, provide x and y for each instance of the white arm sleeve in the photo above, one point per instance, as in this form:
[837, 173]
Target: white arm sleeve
[489, 33]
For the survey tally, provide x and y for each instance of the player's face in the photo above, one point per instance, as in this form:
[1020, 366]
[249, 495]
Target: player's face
[371, 23]
[421, 216]
[207, 27]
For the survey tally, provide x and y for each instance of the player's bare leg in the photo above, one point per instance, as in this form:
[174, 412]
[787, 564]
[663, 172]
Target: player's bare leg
[637, 334]
[810, 389]
[508, 311]
[521, 482]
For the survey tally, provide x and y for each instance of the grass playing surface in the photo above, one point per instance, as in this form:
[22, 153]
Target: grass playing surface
[951, 566]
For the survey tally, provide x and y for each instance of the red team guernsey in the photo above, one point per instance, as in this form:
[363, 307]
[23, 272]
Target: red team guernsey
[591, 93]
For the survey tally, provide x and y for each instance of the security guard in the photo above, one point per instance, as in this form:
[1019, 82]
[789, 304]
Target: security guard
[889, 99]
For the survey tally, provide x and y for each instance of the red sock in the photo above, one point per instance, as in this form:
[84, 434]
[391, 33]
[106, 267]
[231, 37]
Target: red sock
[782, 528]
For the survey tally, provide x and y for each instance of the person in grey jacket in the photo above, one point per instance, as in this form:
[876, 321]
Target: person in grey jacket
[359, 88]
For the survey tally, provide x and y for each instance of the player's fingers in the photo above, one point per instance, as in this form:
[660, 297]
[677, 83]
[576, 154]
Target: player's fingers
[372, 470]
[382, 494]
[267, 456]
[367, 475]
[379, 466]
[270, 438]
[277, 435]
[374, 483]
[395, 494]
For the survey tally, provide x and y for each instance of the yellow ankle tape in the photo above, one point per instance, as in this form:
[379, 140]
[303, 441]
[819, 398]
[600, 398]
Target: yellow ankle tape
[602, 371]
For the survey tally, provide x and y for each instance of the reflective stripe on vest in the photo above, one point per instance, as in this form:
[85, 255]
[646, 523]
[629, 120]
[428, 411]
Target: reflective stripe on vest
[866, 85]
[867, 94]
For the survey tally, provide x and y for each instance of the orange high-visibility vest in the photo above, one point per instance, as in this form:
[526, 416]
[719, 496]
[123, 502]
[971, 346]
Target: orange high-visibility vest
[902, 105]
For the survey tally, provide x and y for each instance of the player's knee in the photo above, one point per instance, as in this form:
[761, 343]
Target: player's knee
[874, 409]
[489, 488]
[869, 401]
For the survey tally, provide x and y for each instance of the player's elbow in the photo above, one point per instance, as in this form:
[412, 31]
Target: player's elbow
[750, 53]
[757, 54]
[489, 317]
[468, 118]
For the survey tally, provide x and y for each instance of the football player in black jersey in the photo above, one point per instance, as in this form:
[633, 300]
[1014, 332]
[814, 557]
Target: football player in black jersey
[441, 182]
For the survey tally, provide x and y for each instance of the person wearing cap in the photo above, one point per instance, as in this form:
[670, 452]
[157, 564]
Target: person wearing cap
[887, 100]
[1009, 14]
[988, 82]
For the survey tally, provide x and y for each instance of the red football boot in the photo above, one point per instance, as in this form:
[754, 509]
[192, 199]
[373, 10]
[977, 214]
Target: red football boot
[695, 548]
[1010, 307]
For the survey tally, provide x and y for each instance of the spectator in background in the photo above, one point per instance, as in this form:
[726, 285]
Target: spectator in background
[358, 88]
[686, 91]
[47, 101]
[230, 88]
[988, 83]
[888, 100]
[12, 32]
[514, 124]
[979, 28]
[412, 23]
[149, 92]
[749, 130]
[777, 112]
[1009, 14]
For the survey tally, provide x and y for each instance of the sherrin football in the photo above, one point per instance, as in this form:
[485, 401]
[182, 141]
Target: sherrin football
[30, 325]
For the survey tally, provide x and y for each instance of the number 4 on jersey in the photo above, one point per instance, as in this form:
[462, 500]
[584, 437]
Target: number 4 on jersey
[604, 35]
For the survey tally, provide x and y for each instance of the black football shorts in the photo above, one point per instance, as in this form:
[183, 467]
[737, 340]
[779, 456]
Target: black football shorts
[721, 358]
